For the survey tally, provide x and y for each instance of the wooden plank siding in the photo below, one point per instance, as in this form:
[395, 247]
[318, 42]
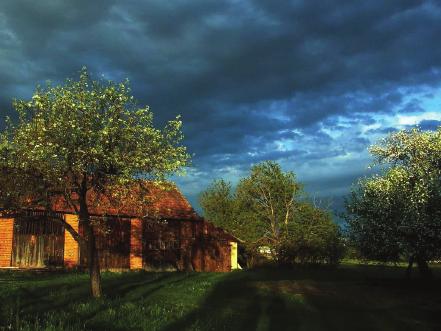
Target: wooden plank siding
[161, 245]
[184, 245]
[37, 242]
[175, 237]
[112, 241]
[210, 252]
[123, 244]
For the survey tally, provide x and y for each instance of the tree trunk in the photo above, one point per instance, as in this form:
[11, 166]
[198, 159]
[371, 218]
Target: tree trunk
[423, 267]
[409, 267]
[93, 263]
[92, 252]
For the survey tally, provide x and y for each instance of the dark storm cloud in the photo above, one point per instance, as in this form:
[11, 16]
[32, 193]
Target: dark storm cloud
[249, 77]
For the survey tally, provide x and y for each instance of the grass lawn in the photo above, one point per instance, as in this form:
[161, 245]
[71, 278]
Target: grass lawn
[351, 297]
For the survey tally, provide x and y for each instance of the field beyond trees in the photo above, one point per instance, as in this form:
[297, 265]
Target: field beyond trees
[350, 297]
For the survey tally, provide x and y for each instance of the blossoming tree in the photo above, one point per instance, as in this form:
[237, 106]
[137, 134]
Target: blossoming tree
[79, 137]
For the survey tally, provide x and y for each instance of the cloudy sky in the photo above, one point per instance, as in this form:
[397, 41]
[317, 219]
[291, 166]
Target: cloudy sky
[310, 84]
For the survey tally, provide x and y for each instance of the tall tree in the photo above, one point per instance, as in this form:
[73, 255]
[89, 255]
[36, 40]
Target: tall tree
[261, 208]
[267, 210]
[398, 213]
[218, 203]
[80, 138]
[267, 198]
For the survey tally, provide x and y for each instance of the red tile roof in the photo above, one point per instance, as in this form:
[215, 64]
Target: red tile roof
[158, 201]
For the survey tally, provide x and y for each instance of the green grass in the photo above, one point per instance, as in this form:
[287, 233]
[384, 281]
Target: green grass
[351, 297]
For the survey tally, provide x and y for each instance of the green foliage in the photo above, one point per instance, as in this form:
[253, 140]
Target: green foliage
[313, 238]
[84, 134]
[266, 200]
[218, 204]
[398, 213]
[265, 212]
[260, 208]
[80, 137]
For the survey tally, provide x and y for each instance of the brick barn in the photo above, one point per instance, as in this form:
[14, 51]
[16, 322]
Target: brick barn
[174, 237]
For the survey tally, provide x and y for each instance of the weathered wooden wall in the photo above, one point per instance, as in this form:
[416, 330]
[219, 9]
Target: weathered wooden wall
[37, 242]
[211, 252]
[123, 243]
[113, 243]
[161, 245]
[184, 245]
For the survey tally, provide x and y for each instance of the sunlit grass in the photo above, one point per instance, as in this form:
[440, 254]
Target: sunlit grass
[352, 297]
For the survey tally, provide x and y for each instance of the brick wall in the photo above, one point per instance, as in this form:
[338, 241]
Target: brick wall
[6, 236]
[71, 250]
[136, 243]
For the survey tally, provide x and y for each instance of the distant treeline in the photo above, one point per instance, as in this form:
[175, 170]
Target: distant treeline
[394, 215]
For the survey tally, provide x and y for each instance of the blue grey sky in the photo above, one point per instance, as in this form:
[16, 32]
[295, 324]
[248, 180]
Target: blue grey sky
[310, 84]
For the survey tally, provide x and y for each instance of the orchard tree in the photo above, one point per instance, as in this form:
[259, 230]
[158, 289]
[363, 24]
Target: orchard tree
[398, 213]
[81, 137]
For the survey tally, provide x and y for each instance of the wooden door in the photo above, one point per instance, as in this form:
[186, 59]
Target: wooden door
[38, 243]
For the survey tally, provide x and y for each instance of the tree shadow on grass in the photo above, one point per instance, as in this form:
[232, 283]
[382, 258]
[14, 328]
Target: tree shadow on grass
[37, 297]
[316, 299]
[134, 293]
[237, 304]
[147, 284]
[347, 298]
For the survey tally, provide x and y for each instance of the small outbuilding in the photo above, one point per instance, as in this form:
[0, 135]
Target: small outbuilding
[171, 236]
